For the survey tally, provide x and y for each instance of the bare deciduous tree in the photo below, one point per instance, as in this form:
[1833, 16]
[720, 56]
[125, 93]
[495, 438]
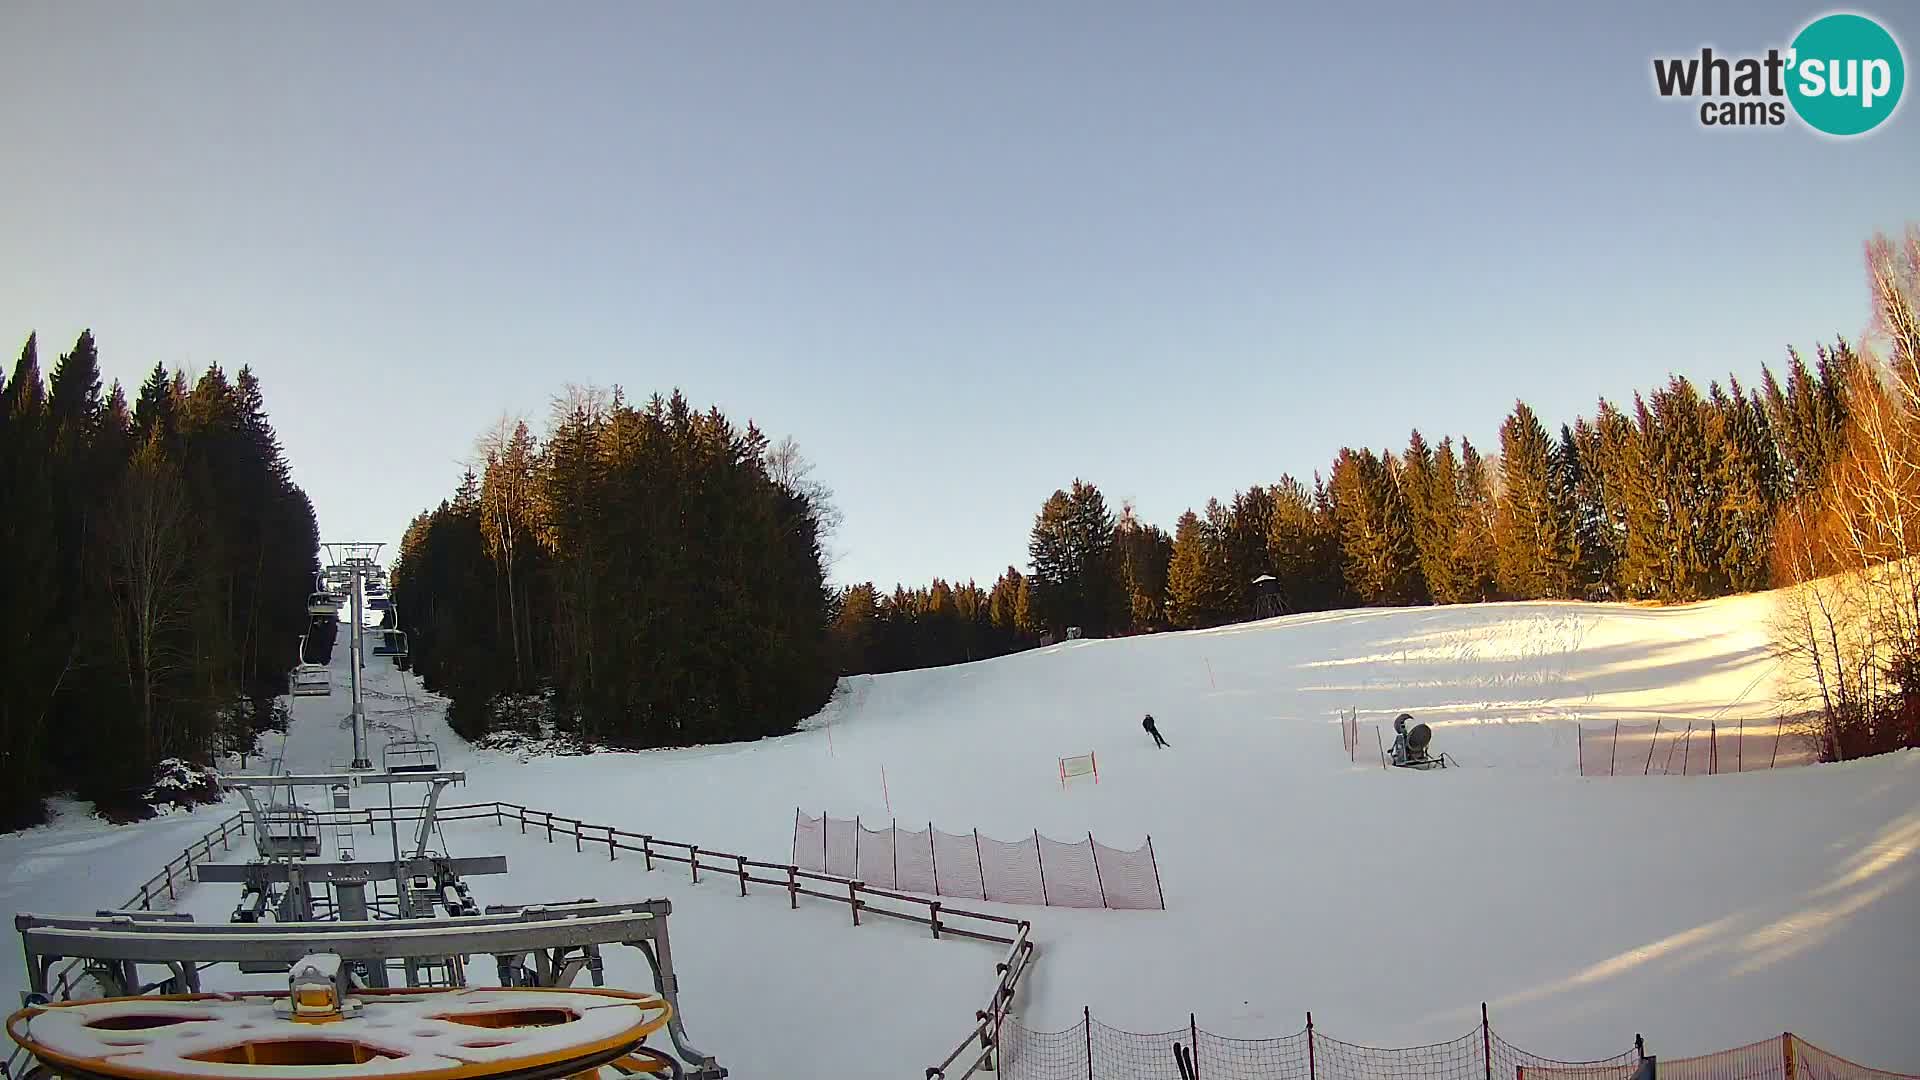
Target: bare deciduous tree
[148, 544]
[1848, 628]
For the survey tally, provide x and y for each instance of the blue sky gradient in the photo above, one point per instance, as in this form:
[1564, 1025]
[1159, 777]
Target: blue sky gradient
[961, 253]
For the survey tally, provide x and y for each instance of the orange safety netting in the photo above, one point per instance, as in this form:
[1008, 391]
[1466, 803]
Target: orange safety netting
[1664, 747]
[1091, 1050]
[1035, 869]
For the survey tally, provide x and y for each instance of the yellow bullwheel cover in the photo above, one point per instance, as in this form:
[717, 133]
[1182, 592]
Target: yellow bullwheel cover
[480, 1032]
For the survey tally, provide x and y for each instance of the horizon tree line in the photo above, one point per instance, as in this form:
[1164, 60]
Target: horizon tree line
[1673, 497]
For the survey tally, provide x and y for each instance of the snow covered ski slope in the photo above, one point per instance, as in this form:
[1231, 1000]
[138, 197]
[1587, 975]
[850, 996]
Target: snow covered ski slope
[1704, 912]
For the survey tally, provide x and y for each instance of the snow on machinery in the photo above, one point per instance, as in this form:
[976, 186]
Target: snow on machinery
[375, 951]
[329, 1024]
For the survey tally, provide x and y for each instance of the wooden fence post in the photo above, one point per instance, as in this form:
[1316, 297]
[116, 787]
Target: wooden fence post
[646, 849]
[1193, 1045]
[1042, 864]
[1486, 1041]
[549, 826]
[610, 855]
[793, 887]
[693, 860]
[743, 873]
[933, 917]
[577, 825]
[1086, 1024]
[1313, 1068]
[853, 900]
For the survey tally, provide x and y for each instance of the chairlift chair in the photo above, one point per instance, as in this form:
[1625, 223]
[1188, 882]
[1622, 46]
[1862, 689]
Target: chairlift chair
[306, 679]
[312, 680]
[288, 831]
[411, 755]
[390, 643]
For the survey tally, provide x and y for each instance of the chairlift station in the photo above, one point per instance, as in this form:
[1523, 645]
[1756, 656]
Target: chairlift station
[383, 930]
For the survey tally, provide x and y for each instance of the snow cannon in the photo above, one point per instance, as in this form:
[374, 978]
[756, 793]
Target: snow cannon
[1419, 737]
[458, 1034]
[1411, 745]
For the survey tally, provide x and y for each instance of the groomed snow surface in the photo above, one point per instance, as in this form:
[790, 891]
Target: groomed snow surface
[1704, 912]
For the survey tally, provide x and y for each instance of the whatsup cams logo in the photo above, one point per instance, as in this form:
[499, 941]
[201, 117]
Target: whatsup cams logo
[1841, 75]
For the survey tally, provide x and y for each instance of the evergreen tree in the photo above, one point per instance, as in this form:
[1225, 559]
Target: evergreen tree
[1474, 548]
[1073, 581]
[1303, 546]
[1141, 554]
[1248, 525]
[1200, 589]
[1378, 556]
[1533, 536]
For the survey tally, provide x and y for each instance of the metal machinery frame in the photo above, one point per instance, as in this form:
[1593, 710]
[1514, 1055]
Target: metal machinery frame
[545, 945]
[291, 882]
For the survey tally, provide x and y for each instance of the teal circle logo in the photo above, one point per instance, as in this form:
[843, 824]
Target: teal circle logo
[1846, 74]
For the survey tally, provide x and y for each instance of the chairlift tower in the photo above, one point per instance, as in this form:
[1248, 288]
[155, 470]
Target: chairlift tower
[357, 557]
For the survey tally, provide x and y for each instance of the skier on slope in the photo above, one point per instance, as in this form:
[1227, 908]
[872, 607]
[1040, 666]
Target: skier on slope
[1158, 742]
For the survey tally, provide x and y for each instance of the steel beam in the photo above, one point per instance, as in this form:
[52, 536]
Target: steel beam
[349, 873]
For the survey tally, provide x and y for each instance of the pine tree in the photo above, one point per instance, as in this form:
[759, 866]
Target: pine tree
[1474, 548]
[1432, 482]
[1302, 546]
[32, 664]
[1533, 537]
[1376, 533]
[1248, 524]
[1141, 555]
[1200, 588]
[73, 392]
[1073, 577]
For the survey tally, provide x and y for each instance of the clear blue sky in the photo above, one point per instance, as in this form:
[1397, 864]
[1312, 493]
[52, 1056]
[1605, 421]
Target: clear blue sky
[962, 253]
